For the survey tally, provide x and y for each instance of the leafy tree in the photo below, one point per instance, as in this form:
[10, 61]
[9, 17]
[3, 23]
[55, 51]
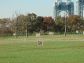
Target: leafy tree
[74, 23]
[48, 24]
[5, 26]
[25, 24]
[59, 24]
[39, 24]
[31, 20]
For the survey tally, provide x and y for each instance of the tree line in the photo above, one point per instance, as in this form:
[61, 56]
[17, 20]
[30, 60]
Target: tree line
[30, 23]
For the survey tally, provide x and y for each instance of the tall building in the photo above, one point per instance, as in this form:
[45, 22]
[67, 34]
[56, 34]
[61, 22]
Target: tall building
[67, 6]
[81, 7]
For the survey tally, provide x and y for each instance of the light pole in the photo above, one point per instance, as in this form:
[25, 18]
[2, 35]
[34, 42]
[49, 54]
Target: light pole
[65, 26]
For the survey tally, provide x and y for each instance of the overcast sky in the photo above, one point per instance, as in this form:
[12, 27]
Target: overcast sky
[8, 8]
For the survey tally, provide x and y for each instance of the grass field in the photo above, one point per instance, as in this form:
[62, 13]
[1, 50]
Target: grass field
[56, 49]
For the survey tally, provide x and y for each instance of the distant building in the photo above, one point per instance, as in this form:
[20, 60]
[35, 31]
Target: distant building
[66, 6]
[69, 7]
[81, 8]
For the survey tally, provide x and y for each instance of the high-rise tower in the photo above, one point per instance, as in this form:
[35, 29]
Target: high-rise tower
[66, 6]
[81, 7]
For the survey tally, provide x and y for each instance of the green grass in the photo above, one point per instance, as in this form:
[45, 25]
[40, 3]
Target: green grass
[56, 49]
